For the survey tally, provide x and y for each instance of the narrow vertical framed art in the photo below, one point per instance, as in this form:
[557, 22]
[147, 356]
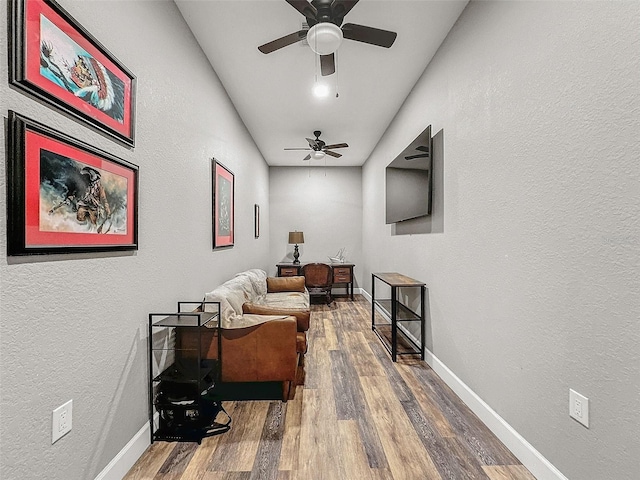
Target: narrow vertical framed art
[223, 195]
[256, 220]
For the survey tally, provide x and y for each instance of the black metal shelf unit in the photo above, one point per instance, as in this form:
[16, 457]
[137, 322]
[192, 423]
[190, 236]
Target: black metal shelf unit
[392, 326]
[181, 381]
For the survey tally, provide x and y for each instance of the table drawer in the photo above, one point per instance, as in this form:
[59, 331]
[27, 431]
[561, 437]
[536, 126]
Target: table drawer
[341, 274]
[288, 271]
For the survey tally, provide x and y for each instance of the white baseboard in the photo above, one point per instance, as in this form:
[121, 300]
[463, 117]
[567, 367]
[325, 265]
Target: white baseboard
[535, 462]
[118, 467]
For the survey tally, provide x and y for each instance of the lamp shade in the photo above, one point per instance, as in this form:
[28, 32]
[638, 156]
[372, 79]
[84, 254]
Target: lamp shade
[296, 237]
[317, 155]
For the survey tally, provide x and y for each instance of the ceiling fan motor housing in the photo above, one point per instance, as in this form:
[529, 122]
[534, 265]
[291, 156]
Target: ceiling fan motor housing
[324, 38]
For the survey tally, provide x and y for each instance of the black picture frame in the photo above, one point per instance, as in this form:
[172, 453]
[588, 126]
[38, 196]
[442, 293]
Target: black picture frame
[256, 221]
[66, 196]
[54, 59]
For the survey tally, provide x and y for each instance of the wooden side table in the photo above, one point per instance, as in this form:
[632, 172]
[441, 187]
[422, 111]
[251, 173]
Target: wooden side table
[342, 273]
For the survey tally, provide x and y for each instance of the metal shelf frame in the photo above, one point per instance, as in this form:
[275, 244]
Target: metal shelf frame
[201, 375]
[395, 311]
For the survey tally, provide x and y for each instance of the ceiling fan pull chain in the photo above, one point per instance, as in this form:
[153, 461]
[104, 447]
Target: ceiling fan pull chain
[335, 56]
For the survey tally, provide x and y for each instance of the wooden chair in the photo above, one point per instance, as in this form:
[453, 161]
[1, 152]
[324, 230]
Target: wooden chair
[318, 278]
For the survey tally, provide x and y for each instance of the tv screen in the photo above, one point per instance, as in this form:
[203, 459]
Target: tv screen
[409, 181]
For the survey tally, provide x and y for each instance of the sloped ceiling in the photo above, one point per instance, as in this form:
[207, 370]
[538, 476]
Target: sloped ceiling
[273, 92]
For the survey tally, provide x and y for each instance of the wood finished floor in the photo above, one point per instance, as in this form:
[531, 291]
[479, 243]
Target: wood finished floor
[356, 416]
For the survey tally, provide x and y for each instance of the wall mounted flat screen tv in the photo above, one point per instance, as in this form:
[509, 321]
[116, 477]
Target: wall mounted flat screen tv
[409, 181]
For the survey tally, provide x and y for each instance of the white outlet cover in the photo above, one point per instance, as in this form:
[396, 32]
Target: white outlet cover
[62, 421]
[579, 407]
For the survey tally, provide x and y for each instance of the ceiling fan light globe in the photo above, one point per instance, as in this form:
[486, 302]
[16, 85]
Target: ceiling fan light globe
[317, 155]
[321, 90]
[324, 38]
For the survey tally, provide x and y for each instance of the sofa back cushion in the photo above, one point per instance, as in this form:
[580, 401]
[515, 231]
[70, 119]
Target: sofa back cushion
[285, 284]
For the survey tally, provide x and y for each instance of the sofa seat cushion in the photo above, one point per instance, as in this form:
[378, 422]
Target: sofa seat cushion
[302, 315]
[296, 300]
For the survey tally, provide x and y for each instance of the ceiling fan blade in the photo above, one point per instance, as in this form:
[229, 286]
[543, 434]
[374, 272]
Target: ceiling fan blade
[411, 157]
[370, 35]
[327, 64]
[283, 41]
[308, 157]
[297, 149]
[333, 154]
[340, 8]
[337, 145]
[423, 148]
[304, 7]
[312, 143]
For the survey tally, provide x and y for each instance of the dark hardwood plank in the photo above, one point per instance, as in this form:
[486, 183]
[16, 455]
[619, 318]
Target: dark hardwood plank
[265, 466]
[148, 465]
[344, 388]
[472, 433]
[237, 448]
[400, 388]
[350, 405]
[179, 458]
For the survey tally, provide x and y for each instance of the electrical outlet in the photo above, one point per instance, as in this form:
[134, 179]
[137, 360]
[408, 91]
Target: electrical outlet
[62, 421]
[579, 407]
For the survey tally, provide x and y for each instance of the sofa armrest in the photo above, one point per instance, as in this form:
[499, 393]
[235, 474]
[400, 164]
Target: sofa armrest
[259, 353]
[262, 353]
[302, 315]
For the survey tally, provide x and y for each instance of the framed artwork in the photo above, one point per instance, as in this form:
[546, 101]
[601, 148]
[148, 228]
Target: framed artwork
[256, 220]
[223, 205]
[54, 59]
[65, 196]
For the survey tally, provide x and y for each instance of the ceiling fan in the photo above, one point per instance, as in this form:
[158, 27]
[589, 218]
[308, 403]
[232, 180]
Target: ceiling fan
[421, 148]
[325, 34]
[319, 148]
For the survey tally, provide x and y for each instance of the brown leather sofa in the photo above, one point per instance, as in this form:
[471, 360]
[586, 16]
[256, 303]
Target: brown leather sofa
[263, 329]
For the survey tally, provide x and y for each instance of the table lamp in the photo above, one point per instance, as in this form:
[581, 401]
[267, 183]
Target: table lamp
[296, 238]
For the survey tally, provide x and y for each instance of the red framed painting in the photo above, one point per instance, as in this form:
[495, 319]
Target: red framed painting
[223, 183]
[65, 196]
[54, 59]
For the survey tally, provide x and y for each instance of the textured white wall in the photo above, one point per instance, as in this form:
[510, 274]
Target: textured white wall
[534, 284]
[325, 204]
[74, 326]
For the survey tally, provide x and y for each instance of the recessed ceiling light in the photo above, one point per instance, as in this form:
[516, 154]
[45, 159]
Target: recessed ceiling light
[321, 90]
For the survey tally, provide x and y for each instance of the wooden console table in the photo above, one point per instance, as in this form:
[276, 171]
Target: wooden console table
[395, 311]
[342, 273]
